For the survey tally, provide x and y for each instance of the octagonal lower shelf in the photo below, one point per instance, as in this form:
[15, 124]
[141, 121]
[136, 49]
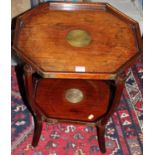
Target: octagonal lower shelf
[53, 103]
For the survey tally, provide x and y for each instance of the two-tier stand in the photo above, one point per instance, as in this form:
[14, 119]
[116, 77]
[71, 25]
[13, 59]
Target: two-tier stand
[74, 56]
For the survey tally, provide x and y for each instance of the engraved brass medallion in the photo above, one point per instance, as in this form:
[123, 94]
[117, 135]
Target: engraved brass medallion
[78, 38]
[74, 95]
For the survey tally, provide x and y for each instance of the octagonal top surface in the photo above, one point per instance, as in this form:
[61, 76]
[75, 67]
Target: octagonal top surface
[59, 38]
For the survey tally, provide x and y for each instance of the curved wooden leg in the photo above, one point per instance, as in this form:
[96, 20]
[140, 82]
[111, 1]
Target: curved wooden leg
[30, 91]
[37, 132]
[116, 92]
[101, 138]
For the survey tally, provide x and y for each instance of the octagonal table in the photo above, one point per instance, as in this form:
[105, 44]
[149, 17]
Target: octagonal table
[75, 55]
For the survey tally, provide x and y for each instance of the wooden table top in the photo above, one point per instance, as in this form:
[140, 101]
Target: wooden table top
[77, 40]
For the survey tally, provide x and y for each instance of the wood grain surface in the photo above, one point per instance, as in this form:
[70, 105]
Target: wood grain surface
[41, 39]
[50, 98]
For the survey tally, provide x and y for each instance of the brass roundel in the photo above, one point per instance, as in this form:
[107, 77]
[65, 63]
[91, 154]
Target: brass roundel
[74, 95]
[78, 38]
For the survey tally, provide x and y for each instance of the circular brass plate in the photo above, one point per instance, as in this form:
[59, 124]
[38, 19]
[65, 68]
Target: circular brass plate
[78, 38]
[74, 95]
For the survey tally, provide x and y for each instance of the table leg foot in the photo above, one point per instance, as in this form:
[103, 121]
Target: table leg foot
[101, 138]
[37, 132]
